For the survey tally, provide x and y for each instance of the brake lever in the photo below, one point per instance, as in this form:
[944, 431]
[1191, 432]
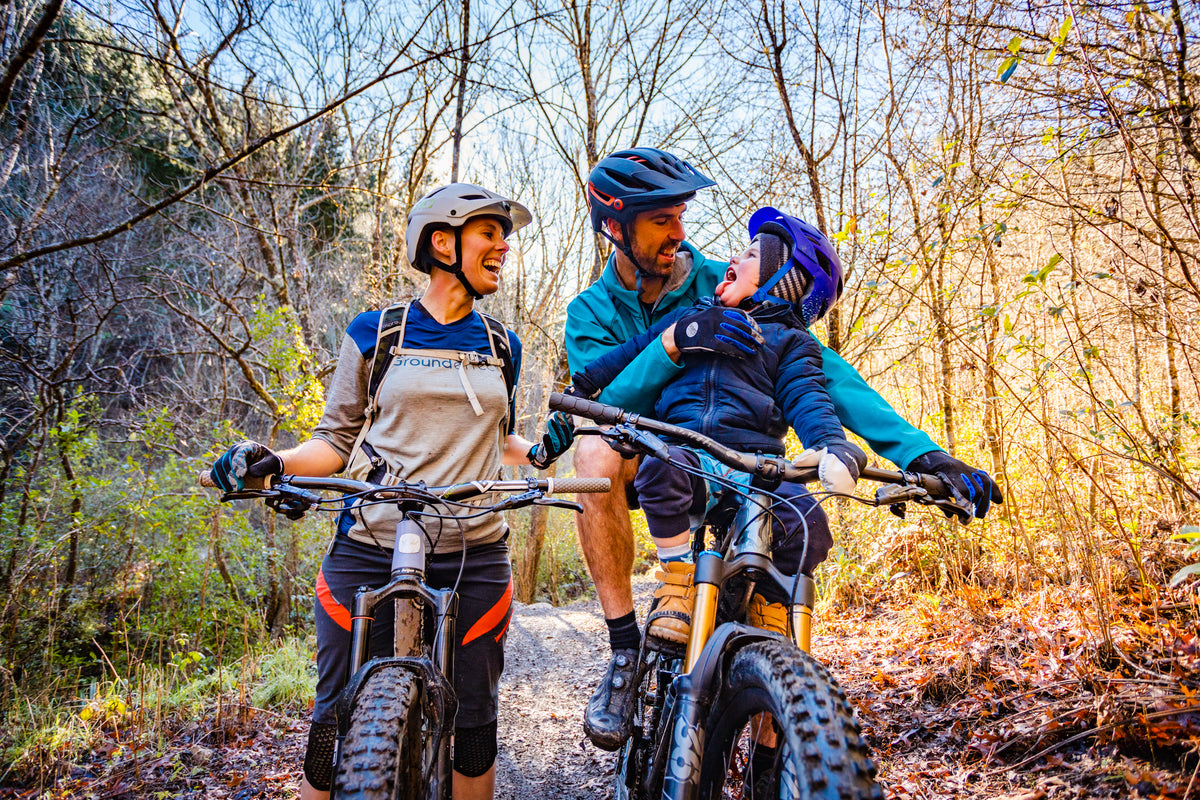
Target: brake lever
[620, 441]
[248, 494]
[292, 502]
[631, 442]
[559, 503]
[895, 495]
[512, 501]
[890, 494]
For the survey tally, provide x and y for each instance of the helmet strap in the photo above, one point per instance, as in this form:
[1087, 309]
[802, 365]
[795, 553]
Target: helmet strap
[764, 290]
[625, 245]
[456, 268]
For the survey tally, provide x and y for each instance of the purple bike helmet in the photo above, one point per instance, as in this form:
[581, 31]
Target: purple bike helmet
[628, 182]
[811, 253]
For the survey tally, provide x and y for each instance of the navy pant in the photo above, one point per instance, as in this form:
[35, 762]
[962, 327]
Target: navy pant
[669, 497]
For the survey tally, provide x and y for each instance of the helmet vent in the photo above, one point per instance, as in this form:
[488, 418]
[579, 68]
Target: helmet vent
[630, 182]
[823, 260]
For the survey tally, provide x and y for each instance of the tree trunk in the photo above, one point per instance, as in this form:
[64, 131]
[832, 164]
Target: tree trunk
[464, 62]
[530, 557]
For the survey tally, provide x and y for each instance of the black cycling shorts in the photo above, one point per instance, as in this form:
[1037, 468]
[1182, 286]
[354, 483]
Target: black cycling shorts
[484, 609]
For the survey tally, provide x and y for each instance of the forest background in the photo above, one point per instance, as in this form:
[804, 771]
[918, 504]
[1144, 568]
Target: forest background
[196, 198]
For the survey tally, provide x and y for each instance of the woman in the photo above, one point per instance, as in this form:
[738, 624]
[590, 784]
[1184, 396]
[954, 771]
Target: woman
[439, 416]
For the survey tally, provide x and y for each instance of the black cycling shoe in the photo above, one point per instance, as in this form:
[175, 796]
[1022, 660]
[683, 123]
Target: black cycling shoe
[609, 719]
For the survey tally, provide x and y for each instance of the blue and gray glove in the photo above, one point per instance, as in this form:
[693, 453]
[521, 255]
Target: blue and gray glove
[245, 459]
[560, 433]
[715, 330]
[972, 488]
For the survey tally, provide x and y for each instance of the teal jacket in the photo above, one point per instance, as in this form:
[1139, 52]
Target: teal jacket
[606, 314]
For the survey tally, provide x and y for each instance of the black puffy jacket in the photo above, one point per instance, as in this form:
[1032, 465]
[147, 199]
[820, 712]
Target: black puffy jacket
[746, 404]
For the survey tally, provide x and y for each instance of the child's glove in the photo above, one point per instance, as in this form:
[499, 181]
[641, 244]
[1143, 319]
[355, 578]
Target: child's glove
[245, 459]
[714, 330]
[972, 488]
[560, 433]
[839, 463]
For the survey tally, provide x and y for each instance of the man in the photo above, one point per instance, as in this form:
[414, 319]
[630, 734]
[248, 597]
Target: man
[637, 199]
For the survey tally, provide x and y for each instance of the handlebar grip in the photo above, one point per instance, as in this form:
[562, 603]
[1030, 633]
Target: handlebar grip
[581, 406]
[253, 484]
[582, 485]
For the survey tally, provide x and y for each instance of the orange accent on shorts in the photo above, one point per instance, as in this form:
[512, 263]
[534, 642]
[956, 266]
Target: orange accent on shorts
[494, 616]
[336, 611]
[505, 628]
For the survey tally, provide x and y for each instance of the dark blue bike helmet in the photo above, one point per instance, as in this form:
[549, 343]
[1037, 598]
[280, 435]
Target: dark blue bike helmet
[813, 279]
[631, 181]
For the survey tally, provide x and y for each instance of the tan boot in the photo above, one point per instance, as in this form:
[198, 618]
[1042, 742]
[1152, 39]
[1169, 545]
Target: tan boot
[768, 616]
[674, 598]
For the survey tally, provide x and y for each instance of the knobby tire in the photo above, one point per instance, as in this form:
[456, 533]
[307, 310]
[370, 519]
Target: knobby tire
[381, 754]
[820, 751]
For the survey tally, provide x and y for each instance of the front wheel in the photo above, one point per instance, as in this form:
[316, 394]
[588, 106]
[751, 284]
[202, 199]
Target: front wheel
[381, 754]
[782, 728]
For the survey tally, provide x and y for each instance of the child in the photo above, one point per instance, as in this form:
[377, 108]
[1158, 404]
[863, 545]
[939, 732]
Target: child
[747, 375]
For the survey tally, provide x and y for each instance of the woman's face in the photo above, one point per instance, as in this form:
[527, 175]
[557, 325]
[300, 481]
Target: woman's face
[484, 251]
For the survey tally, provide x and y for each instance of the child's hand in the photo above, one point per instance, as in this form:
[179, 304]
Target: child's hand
[839, 464]
[725, 332]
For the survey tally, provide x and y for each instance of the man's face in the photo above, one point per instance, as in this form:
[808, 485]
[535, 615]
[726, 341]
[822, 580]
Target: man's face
[656, 236]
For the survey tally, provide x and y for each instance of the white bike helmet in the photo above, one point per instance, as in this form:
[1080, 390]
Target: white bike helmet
[452, 206]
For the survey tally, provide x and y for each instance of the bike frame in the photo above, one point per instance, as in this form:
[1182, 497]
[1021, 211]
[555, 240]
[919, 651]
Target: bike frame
[710, 648]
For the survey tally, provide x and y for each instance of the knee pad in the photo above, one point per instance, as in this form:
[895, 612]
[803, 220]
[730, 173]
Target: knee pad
[475, 749]
[318, 758]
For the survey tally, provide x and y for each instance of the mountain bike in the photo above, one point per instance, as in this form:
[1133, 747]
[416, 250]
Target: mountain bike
[396, 714]
[740, 712]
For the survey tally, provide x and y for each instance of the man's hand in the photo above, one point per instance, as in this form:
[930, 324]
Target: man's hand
[714, 330]
[839, 463]
[972, 488]
[245, 459]
[560, 433]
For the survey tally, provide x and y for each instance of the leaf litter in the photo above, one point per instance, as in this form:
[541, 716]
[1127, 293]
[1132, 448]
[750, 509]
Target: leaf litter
[978, 695]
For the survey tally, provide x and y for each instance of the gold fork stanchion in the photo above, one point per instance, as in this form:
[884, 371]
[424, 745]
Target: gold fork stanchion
[710, 569]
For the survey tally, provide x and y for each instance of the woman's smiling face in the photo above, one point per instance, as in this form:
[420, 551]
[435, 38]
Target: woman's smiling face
[741, 279]
[484, 251]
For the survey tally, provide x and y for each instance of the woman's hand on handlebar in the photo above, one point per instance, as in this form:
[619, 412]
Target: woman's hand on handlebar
[246, 459]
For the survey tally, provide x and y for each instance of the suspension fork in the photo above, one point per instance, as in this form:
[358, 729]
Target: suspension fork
[408, 566]
[802, 611]
[684, 739]
[754, 536]
[710, 572]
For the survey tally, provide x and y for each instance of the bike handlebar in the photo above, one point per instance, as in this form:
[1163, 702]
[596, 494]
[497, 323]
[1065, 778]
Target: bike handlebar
[416, 491]
[755, 464]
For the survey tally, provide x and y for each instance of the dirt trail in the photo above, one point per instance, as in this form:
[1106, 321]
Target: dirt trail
[554, 657]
